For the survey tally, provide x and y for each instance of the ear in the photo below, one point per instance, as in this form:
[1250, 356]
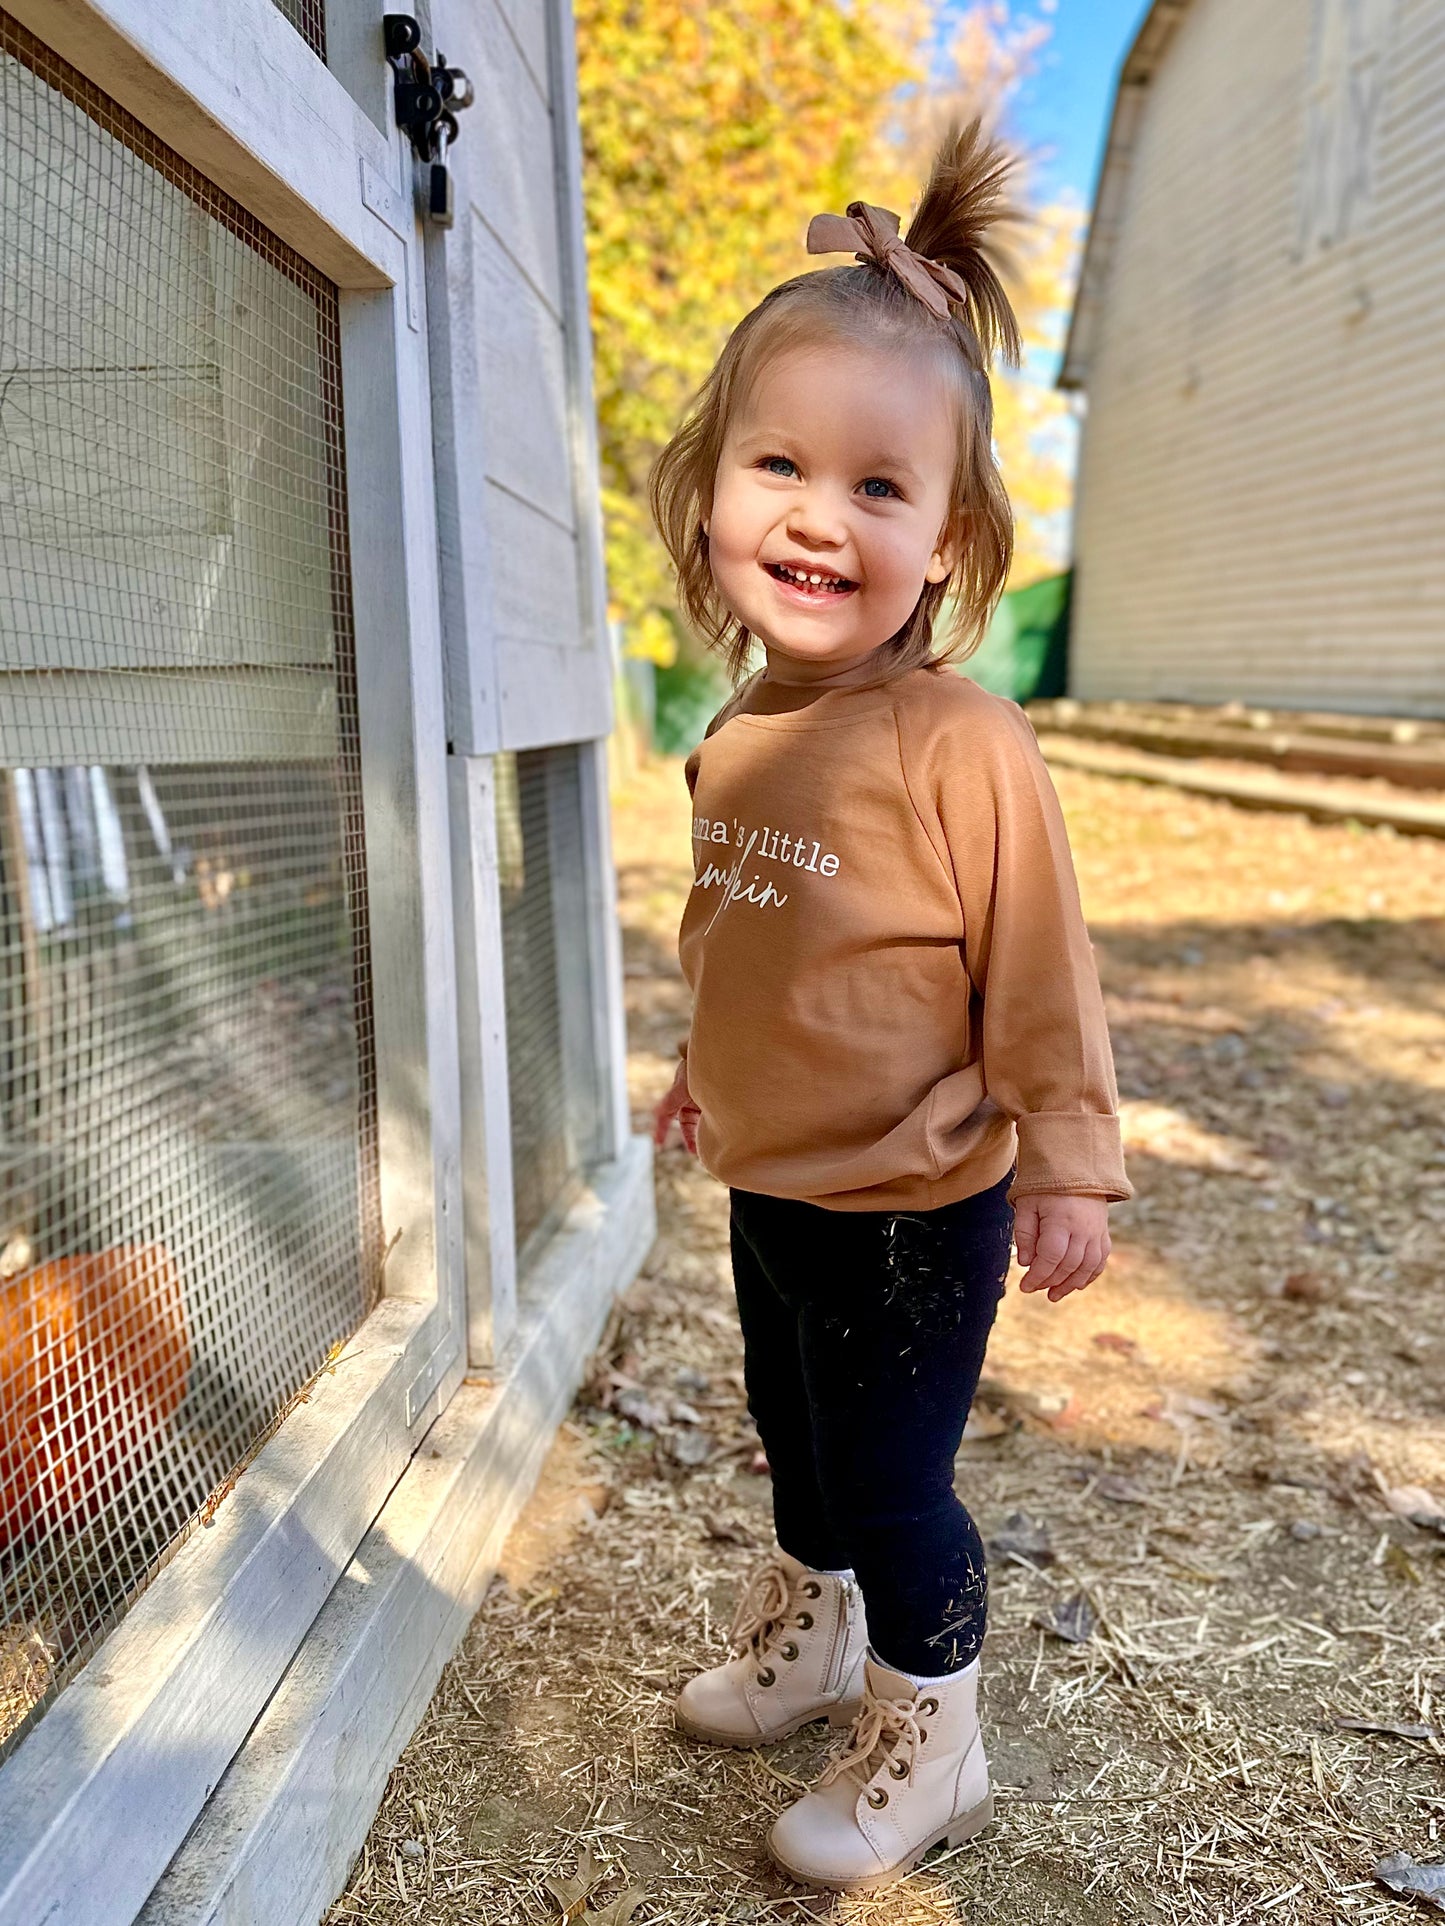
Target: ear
[943, 558]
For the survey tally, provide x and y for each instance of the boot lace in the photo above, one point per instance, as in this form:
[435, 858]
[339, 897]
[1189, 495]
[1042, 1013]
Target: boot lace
[883, 1729]
[763, 1610]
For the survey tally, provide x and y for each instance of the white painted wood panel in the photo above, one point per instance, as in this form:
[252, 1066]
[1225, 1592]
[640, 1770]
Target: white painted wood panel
[1261, 490]
[511, 177]
[527, 21]
[523, 382]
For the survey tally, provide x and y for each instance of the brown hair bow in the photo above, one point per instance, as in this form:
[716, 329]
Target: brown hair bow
[873, 233]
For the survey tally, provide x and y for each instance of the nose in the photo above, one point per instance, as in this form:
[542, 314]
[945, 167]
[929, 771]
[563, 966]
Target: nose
[816, 518]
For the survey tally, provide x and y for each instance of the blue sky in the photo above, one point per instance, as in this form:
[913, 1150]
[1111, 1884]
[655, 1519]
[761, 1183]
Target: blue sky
[1062, 109]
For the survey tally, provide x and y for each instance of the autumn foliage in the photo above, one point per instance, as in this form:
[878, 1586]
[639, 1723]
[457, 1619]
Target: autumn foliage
[711, 133]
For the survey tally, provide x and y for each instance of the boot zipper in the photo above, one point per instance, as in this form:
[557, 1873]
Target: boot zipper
[833, 1676]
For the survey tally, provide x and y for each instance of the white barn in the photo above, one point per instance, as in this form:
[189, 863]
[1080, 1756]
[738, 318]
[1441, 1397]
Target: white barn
[1261, 493]
[316, 1170]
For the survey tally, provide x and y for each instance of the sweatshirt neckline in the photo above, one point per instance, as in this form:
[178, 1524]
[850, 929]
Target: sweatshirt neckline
[797, 706]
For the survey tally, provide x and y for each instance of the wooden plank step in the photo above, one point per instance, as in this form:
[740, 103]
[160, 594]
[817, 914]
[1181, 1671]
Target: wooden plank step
[1247, 789]
[1408, 765]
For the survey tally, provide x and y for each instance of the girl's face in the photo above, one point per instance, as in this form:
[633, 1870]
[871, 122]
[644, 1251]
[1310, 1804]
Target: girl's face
[830, 504]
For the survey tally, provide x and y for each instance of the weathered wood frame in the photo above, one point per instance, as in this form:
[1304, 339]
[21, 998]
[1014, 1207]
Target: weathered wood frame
[565, 694]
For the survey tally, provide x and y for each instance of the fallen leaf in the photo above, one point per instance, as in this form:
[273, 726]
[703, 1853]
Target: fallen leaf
[1399, 1561]
[1304, 1287]
[1183, 1404]
[1390, 1731]
[1120, 1491]
[984, 1422]
[617, 1911]
[640, 1410]
[1418, 1506]
[1116, 1341]
[1023, 1538]
[1072, 1619]
[1401, 1874]
[570, 1890]
[723, 1531]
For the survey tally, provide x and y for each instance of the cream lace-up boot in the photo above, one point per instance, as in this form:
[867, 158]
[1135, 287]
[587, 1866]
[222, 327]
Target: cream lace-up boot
[913, 1773]
[799, 1642]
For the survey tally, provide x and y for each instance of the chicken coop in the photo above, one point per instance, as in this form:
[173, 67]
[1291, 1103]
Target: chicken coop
[317, 1176]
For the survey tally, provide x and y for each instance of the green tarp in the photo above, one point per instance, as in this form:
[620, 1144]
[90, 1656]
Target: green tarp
[1026, 651]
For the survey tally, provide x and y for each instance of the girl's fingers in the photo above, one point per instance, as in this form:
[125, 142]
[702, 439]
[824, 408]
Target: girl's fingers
[1090, 1263]
[1026, 1225]
[1052, 1256]
[1060, 1280]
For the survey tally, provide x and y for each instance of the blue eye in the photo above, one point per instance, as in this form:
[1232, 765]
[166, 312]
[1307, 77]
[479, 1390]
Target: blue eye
[779, 465]
[878, 490]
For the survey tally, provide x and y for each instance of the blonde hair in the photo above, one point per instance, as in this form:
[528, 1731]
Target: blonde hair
[963, 201]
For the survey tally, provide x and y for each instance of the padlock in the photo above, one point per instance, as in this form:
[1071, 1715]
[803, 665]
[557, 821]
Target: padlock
[439, 205]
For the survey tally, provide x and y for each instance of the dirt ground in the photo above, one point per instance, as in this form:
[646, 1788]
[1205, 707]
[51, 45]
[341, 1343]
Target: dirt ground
[1214, 1449]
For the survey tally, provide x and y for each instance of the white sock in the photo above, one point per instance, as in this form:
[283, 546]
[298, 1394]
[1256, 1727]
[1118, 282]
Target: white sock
[819, 1571]
[920, 1678]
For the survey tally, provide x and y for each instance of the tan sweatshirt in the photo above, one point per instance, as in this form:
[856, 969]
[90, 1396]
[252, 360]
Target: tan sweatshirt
[894, 994]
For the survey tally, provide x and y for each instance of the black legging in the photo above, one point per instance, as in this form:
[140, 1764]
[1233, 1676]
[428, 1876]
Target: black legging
[864, 1335]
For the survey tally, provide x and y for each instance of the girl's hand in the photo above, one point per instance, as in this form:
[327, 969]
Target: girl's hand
[677, 1103]
[1063, 1242]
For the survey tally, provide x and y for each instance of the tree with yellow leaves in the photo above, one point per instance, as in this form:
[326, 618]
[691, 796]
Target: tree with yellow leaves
[711, 132]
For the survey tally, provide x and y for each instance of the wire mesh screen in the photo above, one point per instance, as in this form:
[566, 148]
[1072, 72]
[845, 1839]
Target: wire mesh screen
[551, 1045]
[308, 17]
[189, 1215]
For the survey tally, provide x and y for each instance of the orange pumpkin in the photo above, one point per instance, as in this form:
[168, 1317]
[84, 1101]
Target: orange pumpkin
[94, 1358]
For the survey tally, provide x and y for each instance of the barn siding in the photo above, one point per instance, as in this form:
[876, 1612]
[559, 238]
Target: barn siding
[1262, 487]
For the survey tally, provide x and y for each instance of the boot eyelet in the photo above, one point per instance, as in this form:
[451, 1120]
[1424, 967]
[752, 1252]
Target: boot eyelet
[805, 1621]
[812, 1589]
[767, 1676]
[878, 1797]
[898, 1770]
[789, 1651]
[927, 1705]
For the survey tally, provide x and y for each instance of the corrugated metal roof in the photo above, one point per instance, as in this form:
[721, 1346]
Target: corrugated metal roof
[1141, 63]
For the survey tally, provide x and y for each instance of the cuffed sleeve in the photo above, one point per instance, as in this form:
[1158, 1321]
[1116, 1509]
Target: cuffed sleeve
[1047, 1060]
[1075, 1152]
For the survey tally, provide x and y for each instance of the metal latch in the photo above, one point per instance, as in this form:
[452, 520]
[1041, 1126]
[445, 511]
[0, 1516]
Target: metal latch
[428, 96]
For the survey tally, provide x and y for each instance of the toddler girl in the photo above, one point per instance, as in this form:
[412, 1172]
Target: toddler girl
[898, 1056]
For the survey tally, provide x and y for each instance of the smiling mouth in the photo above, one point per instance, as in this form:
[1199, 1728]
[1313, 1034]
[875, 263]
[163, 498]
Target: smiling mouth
[817, 580]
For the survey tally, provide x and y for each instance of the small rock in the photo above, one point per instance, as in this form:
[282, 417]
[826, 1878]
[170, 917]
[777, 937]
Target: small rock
[691, 1448]
[412, 1849]
[1335, 1096]
[1303, 1529]
[694, 1382]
